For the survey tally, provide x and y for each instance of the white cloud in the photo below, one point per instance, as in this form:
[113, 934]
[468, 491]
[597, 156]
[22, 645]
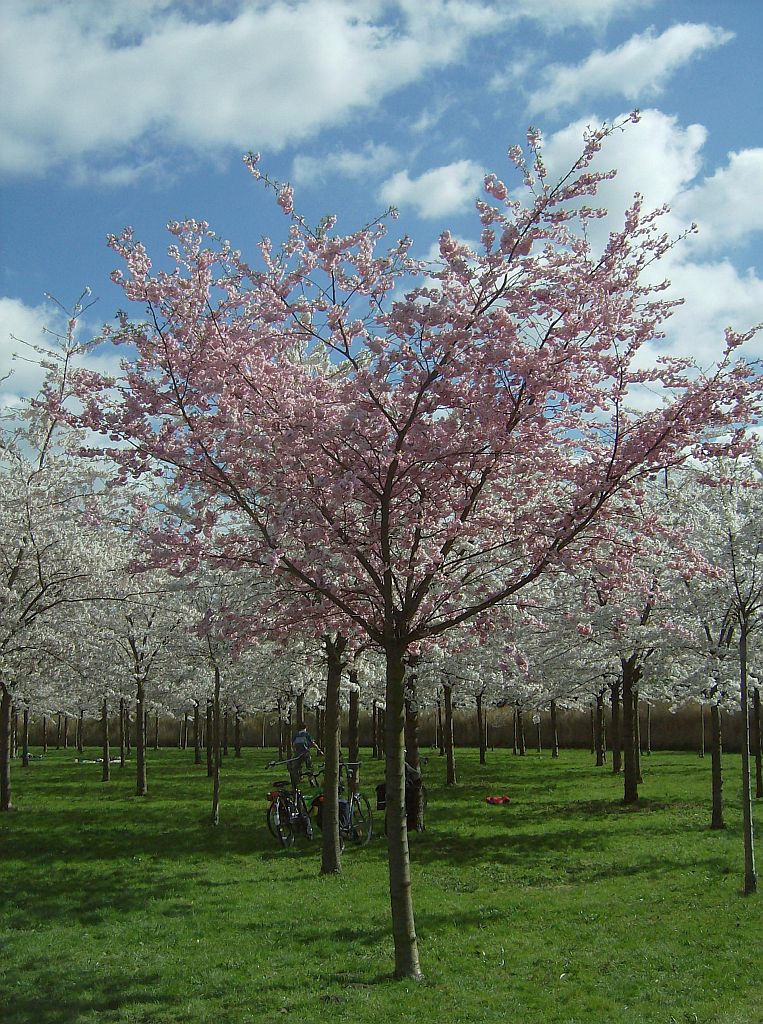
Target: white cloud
[441, 191]
[637, 69]
[727, 206]
[370, 162]
[273, 73]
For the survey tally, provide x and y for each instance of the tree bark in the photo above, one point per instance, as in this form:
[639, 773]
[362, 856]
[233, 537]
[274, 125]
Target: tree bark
[281, 746]
[401, 901]
[6, 717]
[515, 731]
[554, 731]
[414, 805]
[375, 731]
[617, 743]
[210, 738]
[121, 732]
[237, 734]
[480, 726]
[81, 731]
[225, 732]
[637, 736]
[66, 731]
[450, 754]
[216, 754]
[44, 734]
[648, 750]
[702, 729]
[25, 740]
[58, 731]
[15, 733]
[750, 877]
[628, 739]
[521, 733]
[441, 742]
[331, 856]
[105, 752]
[353, 731]
[600, 757]
[593, 731]
[141, 787]
[196, 734]
[156, 729]
[300, 709]
[757, 742]
[716, 749]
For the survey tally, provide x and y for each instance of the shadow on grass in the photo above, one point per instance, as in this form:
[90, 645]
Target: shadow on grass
[61, 999]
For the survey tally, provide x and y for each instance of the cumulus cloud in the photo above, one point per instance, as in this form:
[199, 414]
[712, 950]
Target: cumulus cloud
[435, 193]
[85, 78]
[371, 161]
[637, 69]
[728, 205]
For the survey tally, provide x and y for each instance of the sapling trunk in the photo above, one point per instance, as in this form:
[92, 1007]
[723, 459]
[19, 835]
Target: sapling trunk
[196, 734]
[648, 750]
[515, 732]
[25, 740]
[480, 726]
[105, 752]
[58, 731]
[141, 786]
[757, 742]
[440, 728]
[6, 717]
[617, 742]
[225, 732]
[702, 730]
[401, 901]
[237, 734]
[66, 731]
[210, 740]
[81, 732]
[156, 730]
[121, 732]
[599, 737]
[554, 731]
[521, 733]
[331, 857]
[750, 877]
[716, 748]
[216, 754]
[44, 734]
[450, 754]
[593, 731]
[300, 708]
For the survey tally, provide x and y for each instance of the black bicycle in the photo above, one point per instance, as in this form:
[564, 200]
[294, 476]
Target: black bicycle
[355, 817]
[288, 813]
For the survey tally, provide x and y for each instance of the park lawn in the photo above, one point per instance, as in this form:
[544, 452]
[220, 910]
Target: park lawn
[562, 907]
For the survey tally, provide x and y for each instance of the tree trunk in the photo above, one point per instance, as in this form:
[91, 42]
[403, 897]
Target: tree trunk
[440, 728]
[617, 742]
[81, 731]
[15, 733]
[353, 732]
[702, 730]
[414, 804]
[237, 734]
[480, 726]
[44, 734]
[540, 745]
[401, 901]
[716, 748]
[66, 731]
[300, 710]
[521, 733]
[627, 736]
[554, 731]
[216, 754]
[331, 856]
[281, 747]
[210, 738]
[58, 731]
[637, 736]
[128, 740]
[25, 740]
[757, 742]
[599, 736]
[515, 731]
[105, 752]
[382, 732]
[121, 732]
[141, 787]
[264, 723]
[196, 734]
[225, 732]
[450, 754]
[648, 750]
[375, 730]
[6, 718]
[593, 731]
[156, 729]
[750, 877]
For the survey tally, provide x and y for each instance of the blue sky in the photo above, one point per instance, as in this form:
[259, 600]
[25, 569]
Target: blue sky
[138, 112]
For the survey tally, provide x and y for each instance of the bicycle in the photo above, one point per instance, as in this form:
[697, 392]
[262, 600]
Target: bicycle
[288, 813]
[355, 819]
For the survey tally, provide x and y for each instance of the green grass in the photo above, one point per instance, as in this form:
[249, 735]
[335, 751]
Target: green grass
[562, 907]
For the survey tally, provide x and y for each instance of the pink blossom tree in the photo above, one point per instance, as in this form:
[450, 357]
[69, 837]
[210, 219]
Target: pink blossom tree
[403, 467]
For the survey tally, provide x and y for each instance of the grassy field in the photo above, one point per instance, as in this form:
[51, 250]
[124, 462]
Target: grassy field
[561, 908]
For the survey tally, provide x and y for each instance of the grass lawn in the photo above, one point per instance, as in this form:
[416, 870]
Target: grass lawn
[560, 908]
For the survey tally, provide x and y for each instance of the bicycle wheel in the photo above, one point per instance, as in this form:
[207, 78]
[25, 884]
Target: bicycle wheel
[303, 817]
[361, 821]
[279, 821]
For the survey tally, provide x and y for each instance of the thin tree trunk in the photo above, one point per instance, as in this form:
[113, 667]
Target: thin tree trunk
[521, 733]
[480, 726]
[593, 731]
[141, 787]
[702, 730]
[401, 901]
[440, 728]
[540, 745]
[121, 732]
[374, 730]
[15, 733]
[66, 731]
[300, 709]
[382, 732]
[196, 734]
[414, 804]
[515, 731]
[554, 731]
[237, 733]
[58, 731]
[44, 734]
[105, 752]
[264, 723]
[637, 737]
[225, 732]
[353, 732]
[25, 740]
[128, 739]
[6, 717]
[450, 754]
[750, 877]
[331, 856]
[617, 742]
[280, 731]
[757, 742]
[600, 756]
[210, 738]
[627, 736]
[648, 750]
[81, 731]
[156, 730]
[716, 748]
[216, 755]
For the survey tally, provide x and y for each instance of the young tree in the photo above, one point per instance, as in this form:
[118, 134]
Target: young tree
[405, 467]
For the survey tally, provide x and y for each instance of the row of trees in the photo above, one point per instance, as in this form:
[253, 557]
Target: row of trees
[344, 462]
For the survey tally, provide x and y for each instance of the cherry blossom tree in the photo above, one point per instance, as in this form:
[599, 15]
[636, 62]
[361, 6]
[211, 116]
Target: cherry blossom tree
[404, 467]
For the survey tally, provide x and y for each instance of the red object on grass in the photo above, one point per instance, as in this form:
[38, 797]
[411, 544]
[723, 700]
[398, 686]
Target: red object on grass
[497, 799]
